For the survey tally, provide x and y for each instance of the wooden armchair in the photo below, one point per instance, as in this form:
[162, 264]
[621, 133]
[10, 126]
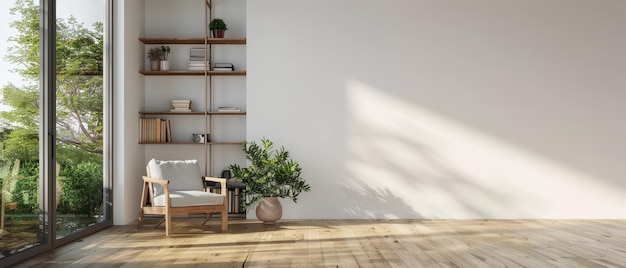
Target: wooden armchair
[177, 187]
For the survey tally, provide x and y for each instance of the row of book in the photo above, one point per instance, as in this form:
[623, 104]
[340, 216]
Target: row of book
[154, 130]
[197, 60]
[181, 106]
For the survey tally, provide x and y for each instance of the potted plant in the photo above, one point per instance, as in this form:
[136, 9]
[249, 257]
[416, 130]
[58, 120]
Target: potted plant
[271, 175]
[165, 63]
[217, 27]
[154, 55]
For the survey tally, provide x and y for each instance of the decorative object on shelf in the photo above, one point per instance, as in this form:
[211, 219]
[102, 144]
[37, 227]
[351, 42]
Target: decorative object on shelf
[272, 174]
[154, 55]
[217, 27]
[165, 63]
[201, 138]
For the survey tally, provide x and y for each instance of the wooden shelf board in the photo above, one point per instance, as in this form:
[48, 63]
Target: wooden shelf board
[194, 143]
[170, 113]
[211, 73]
[227, 113]
[192, 41]
[225, 143]
[170, 143]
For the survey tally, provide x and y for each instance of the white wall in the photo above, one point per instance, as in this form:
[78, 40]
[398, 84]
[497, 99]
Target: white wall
[444, 109]
[128, 94]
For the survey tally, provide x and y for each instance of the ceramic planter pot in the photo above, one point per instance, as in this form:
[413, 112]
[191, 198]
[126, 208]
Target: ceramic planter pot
[165, 65]
[155, 65]
[217, 33]
[269, 210]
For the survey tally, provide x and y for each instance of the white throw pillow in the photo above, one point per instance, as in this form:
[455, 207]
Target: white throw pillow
[182, 174]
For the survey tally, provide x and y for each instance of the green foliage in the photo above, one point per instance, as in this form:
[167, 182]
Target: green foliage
[271, 174]
[166, 51]
[79, 85]
[217, 24]
[81, 189]
[26, 189]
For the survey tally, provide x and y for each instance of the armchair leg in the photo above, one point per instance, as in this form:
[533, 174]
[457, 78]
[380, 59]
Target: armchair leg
[168, 225]
[224, 220]
[140, 220]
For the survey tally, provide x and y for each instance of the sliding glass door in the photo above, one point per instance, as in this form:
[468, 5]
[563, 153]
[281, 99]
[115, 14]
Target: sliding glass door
[54, 123]
[22, 217]
[79, 114]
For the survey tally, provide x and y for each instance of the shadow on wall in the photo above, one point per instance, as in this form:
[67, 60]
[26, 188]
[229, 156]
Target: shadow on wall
[406, 162]
[364, 202]
[395, 176]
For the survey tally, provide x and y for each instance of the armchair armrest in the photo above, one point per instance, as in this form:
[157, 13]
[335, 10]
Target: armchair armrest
[221, 181]
[154, 180]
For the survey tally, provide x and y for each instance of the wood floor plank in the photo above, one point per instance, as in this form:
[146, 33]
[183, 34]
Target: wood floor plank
[350, 243]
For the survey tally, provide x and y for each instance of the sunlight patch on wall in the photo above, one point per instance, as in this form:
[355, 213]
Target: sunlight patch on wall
[409, 162]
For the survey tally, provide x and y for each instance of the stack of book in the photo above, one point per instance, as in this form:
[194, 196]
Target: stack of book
[181, 106]
[197, 59]
[227, 109]
[223, 67]
[154, 130]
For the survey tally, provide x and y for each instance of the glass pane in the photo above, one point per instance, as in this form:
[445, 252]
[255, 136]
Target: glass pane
[79, 116]
[21, 215]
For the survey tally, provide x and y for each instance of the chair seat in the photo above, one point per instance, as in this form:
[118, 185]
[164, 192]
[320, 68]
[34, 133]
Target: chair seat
[190, 198]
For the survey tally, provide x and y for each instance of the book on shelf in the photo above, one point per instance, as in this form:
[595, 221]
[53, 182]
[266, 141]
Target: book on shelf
[223, 67]
[197, 52]
[227, 109]
[199, 63]
[176, 110]
[181, 106]
[154, 130]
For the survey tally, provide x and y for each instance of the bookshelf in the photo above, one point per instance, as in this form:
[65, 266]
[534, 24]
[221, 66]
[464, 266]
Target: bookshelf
[207, 89]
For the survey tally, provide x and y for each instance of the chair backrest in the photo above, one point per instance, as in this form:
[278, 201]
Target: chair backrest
[182, 174]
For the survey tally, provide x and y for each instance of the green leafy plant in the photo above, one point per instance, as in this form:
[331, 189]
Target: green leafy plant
[217, 24]
[271, 174]
[155, 54]
[165, 50]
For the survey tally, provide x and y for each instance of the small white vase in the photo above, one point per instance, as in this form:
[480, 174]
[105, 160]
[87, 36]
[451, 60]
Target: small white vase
[165, 65]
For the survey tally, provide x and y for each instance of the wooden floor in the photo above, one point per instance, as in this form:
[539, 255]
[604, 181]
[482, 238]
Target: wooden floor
[351, 243]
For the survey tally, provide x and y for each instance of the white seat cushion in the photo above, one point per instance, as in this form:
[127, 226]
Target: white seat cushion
[189, 198]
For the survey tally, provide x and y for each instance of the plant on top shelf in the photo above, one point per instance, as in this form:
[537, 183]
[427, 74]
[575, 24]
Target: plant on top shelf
[155, 55]
[217, 27]
[271, 175]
